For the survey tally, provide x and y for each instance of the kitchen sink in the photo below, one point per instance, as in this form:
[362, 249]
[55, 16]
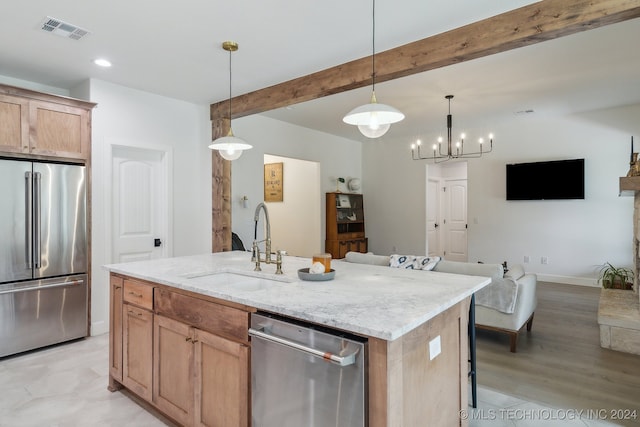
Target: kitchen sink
[225, 280]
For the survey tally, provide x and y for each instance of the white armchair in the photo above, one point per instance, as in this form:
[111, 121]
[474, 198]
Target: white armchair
[490, 318]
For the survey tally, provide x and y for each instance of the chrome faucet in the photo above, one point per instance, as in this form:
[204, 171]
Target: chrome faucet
[255, 250]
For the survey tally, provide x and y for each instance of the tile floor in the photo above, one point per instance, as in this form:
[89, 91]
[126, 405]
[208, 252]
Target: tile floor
[66, 386]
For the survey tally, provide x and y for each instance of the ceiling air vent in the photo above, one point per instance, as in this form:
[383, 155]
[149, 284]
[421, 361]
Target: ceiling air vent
[63, 29]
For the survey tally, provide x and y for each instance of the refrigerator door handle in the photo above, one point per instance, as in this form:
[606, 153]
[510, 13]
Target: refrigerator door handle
[36, 219]
[28, 213]
[42, 287]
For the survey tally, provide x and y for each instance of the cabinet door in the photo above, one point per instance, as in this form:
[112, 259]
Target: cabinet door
[115, 329]
[59, 130]
[173, 369]
[137, 347]
[344, 246]
[362, 245]
[14, 124]
[222, 381]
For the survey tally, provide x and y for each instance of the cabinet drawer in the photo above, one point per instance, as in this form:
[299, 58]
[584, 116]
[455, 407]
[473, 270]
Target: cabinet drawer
[138, 294]
[206, 315]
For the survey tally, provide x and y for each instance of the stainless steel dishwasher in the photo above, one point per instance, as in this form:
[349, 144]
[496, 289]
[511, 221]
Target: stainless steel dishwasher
[304, 375]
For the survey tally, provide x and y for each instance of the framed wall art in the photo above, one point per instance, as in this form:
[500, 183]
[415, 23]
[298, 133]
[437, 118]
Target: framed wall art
[273, 182]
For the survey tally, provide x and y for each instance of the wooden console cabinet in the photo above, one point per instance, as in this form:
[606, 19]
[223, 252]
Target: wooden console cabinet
[345, 224]
[186, 355]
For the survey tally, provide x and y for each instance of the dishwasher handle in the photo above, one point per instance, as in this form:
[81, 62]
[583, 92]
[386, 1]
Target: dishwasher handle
[346, 360]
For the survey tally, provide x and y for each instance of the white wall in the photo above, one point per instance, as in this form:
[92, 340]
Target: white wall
[296, 220]
[131, 117]
[11, 81]
[576, 235]
[337, 157]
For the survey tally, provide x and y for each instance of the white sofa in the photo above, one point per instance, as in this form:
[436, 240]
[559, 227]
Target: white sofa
[486, 318]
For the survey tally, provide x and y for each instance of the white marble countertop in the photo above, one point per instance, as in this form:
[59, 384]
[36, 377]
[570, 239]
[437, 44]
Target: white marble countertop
[369, 300]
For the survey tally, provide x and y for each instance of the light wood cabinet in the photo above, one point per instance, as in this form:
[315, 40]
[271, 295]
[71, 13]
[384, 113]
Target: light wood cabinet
[59, 130]
[200, 378]
[115, 329]
[137, 350]
[173, 369]
[39, 124]
[187, 356]
[222, 380]
[345, 224]
[216, 361]
[14, 124]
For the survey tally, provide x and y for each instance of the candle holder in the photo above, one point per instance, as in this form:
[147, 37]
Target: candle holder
[634, 166]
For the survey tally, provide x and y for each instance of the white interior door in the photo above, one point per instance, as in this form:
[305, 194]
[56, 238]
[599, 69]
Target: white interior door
[455, 220]
[433, 217]
[139, 204]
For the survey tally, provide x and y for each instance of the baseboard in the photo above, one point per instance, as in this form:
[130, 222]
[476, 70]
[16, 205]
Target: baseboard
[569, 280]
[99, 328]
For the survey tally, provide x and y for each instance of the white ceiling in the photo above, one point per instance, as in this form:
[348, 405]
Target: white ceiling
[174, 49]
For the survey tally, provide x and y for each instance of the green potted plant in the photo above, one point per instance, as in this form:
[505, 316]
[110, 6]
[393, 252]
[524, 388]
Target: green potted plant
[615, 277]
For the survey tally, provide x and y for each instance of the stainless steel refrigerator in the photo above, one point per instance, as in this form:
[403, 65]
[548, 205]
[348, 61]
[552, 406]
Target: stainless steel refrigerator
[43, 254]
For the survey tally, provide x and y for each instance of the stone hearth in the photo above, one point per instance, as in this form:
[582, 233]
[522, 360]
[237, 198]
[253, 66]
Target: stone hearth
[619, 320]
[618, 310]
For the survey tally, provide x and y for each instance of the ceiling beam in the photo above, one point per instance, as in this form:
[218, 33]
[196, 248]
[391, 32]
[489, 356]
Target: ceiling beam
[545, 20]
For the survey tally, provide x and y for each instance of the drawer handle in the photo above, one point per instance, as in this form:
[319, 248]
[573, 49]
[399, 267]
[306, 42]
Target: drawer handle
[133, 312]
[188, 339]
[135, 294]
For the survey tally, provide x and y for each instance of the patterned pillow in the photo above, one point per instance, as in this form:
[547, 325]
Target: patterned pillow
[425, 262]
[402, 261]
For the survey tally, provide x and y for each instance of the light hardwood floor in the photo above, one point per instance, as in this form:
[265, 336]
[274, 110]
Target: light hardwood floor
[560, 363]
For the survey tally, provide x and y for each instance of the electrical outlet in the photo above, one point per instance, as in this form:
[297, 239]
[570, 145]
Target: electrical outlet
[544, 260]
[526, 259]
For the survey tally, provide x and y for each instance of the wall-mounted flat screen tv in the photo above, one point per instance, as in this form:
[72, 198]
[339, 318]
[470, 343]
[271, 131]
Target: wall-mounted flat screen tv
[553, 180]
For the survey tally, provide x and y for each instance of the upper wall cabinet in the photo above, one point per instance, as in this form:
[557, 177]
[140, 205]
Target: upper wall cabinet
[39, 124]
[14, 124]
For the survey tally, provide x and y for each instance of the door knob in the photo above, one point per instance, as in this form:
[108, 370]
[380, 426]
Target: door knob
[157, 242]
[435, 225]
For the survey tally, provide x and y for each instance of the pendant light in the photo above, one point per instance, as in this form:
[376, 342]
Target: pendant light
[373, 119]
[230, 147]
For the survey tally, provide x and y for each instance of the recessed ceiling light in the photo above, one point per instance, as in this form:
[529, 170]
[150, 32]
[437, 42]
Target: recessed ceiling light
[101, 62]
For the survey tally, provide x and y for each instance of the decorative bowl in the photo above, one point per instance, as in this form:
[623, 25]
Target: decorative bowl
[304, 274]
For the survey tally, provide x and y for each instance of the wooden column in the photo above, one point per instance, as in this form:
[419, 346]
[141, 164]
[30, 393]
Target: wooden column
[221, 192]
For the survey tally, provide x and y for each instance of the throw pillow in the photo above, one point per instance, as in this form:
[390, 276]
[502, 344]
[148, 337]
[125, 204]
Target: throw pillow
[515, 272]
[425, 262]
[402, 261]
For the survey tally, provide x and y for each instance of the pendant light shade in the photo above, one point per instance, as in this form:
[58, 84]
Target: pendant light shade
[230, 147]
[373, 119]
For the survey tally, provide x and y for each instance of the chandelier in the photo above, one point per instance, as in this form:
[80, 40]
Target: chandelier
[373, 119]
[453, 151]
[230, 147]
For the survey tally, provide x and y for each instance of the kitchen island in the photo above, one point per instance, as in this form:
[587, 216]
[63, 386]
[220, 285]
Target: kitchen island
[399, 311]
